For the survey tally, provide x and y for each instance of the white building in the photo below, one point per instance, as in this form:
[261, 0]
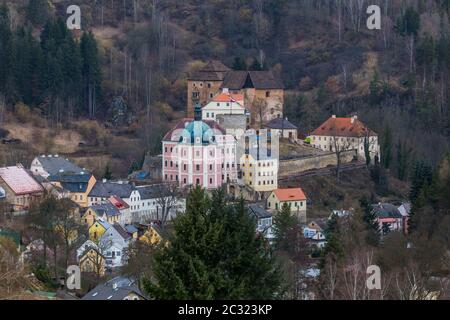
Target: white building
[50, 165]
[345, 134]
[224, 103]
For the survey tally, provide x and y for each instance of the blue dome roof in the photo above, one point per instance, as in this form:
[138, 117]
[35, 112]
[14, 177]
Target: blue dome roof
[197, 132]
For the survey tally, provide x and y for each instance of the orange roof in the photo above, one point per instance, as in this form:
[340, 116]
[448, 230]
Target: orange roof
[228, 97]
[343, 127]
[293, 194]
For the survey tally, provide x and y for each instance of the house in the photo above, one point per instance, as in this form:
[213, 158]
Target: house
[113, 242]
[258, 155]
[104, 190]
[295, 198]
[123, 208]
[314, 231]
[389, 217]
[345, 134]
[264, 221]
[119, 288]
[51, 165]
[91, 259]
[199, 153]
[204, 84]
[283, 128]
[104, 211]
[154, 234]
[263, 93]
[224, 103]
[132, 231]
[79, 185]
[19, 188]
[97, 229]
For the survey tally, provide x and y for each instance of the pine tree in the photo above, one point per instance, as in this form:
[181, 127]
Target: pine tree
[6, 45]
[239, 64]
[108, 173]
[38, 12]
[284, 222]
[371, 222]
[214, 254]
[386, 148]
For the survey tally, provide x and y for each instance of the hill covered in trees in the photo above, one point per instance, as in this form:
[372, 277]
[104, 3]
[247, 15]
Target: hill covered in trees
[395, 79]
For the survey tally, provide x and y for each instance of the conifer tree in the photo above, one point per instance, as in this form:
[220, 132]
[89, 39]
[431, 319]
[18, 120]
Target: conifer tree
[214, 254]
[284, 222]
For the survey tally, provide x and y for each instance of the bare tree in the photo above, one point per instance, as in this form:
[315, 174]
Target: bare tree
[339, 145]
[167, 200]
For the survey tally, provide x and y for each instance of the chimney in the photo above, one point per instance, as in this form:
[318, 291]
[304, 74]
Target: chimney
[354, 118]
[333, 116]
[225, 90]
[104, 180]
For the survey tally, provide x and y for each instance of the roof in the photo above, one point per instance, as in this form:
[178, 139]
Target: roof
[19, 180]
[237, 80]
[153, 191]
[228, 97]
[116, 289]
[55, 164]
[73, 182]
[293, 194]
[173, 135]
[104, 224]
[107, 189]
[259, 212]
[131, 229]
[386, 210]
[118, 203]
[213, 71]
[106, 208]
[280, 123]
[343, 127]
[121, 231]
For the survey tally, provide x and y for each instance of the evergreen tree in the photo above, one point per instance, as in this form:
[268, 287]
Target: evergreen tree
[371, 222]
[386, 148]
[108, 173]
[6, 45]
[239, 64]
[214, 254]
[38, 12]
[284, 223]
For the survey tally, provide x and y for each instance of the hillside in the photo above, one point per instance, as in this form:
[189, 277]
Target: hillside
[329, 61]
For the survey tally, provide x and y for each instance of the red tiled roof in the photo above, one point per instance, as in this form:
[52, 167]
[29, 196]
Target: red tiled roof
[228, 97]
[20, 181]
[293, 194]
[343, 127]
[118, 203]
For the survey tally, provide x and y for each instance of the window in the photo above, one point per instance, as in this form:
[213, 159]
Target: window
[210, 181]
[207, 114]
[197, 166]
[209, 86]
[267, 94]
[211, 95]
[198, 181]
[165, 149]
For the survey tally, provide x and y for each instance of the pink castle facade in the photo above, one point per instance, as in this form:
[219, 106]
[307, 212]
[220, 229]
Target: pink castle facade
[199, 153]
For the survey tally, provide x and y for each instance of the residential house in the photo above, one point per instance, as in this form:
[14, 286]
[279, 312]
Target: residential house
[258, 155]
[314, 231]
[283, 128]
[346, 134]
[123, 207]
[19, 188]
[264, 221]
[91, 259]
[340, 213]
[389, 217]
[78, 184]
[51, 165]
[224, 103]
[97, 229]
[104, 190]
[295, 198]
[154, 234]
[113, 242]
[199, 153]
[119, 288]
[132, 231]
[204, 84]
[105, 211]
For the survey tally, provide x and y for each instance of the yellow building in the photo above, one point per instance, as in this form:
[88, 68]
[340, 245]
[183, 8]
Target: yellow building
[92, 261]
[154, 235]
[97, 229]
[105, 211]
[295, 198]
[78, 185]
